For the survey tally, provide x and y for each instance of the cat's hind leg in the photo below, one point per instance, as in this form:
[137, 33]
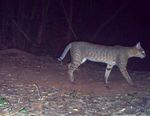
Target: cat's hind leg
[107, 73]
[71, 68]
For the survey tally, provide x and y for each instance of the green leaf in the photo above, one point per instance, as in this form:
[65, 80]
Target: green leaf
[3, 101]
[23, 110]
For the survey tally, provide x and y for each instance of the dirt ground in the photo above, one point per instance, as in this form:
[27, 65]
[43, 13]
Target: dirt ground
[19, 67]
[25, 68]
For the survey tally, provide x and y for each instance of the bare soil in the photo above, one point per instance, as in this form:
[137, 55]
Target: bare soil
[21, 68]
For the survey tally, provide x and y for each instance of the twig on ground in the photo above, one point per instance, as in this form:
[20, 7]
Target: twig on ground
[38, 90]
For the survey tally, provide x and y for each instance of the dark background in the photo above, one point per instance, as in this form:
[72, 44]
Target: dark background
[45, 27]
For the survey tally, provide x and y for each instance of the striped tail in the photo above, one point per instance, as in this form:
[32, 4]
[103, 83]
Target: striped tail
[64, 52]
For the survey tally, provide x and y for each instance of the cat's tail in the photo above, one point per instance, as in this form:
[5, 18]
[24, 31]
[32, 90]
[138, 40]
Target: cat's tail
[64, 52]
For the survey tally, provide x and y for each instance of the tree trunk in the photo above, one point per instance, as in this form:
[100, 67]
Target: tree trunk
[40, 36]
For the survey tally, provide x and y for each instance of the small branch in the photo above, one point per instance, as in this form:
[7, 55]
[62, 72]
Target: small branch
[108, 21]
[68, 21]
[19, 28]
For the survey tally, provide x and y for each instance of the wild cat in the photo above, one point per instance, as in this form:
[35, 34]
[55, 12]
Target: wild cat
[111, 55]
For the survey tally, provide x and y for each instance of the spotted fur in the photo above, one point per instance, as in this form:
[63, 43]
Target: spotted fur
[111, 55]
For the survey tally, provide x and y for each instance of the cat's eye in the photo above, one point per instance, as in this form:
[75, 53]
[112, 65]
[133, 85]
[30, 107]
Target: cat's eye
[143, 52]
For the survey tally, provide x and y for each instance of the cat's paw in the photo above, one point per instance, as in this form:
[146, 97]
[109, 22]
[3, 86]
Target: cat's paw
[107, 86]
[59, 59]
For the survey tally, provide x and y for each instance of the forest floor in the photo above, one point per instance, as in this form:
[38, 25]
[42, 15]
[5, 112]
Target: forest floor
[38, 86]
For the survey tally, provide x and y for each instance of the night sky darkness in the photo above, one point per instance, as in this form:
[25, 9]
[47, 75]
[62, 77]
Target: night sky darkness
[42, 26]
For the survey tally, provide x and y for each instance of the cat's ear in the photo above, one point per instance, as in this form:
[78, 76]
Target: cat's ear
[138, 45]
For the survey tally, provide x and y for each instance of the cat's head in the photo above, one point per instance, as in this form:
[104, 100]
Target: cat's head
[139, 51]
